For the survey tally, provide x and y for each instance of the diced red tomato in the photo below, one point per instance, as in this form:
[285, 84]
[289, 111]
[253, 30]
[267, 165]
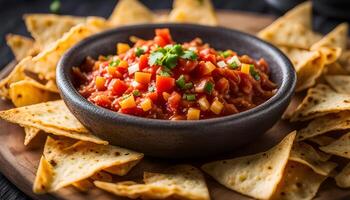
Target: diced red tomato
[160, 41]
[164, 84]
[153, 96]
[165, 34]
[143, 63]
[117, 87]
[103, 100]
[206, 55]
[174, 101]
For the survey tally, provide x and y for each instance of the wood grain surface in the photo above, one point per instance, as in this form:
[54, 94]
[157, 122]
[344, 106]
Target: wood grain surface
[19, 163]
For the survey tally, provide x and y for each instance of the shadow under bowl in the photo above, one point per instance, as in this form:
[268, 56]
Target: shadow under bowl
[178, 139]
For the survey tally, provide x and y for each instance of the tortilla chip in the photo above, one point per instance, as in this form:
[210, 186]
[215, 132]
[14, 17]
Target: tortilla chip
[44, 64]
[28, 92]
[30, 133]
[340, 147]
[322, 140]
[193, 11]
[319, 101]
[47, 28]
[255, 175]
[339, 83]
[76, 163]
[343, 178]
[335, 68]
[17, 74]
[290, 34]
[301, 13]
[130, 12]
[53, 114]
[305, 154]
[337, 38]
[83, 185]
[182, 181]
[121, 170]
[299, 182]
[324, 124]
[21, 46]
[308, 65]
[344, 60]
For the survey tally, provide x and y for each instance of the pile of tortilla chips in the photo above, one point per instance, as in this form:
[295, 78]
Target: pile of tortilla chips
[72, 156]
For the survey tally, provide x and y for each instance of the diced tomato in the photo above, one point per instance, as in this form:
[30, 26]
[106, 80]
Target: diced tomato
[102, 100]
[112, 71]
[117, 87]
[165, 34]
[174, 101]
[206, 55]
[143, 63]
[160, 41]
[153, 96]
[123, 67]
[164, 84]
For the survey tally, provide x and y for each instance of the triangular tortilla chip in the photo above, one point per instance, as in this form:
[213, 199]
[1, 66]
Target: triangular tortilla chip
[344, 60]
[47, 28]
[299, 182]
[53, 114]
[301, 13]
[308, 65]
[130, 12]
[27, 92]
[305, 154]
[182, 181]
[30, 133]
[339, 83]
[340, 147]
[193, 11]
[321, 140]
[121, 170]
[70, 164]
[343, 178]
[21, 46]
[255, 175]
[44, 64]
[335, 68]
[324, 124]
[17, 74]
[336, 38]
[319, 101]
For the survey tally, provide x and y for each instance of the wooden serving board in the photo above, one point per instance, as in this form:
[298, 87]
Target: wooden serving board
[19, 163]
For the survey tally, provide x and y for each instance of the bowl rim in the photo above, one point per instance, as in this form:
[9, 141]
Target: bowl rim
[66, 88]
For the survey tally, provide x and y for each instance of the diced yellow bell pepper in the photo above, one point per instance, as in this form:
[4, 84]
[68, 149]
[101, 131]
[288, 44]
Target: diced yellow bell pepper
[209, 67]
[216, 107]
[100, 83]
[143, 77]
[245, 68]
[146, 104]
[122, 48]
[128, 102]
[203, 103]
[193, 114]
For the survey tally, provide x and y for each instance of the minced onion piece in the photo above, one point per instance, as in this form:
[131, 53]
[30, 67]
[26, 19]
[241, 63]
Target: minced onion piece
[133, 68]
[192, 48]
[234, 59]
[221, 64]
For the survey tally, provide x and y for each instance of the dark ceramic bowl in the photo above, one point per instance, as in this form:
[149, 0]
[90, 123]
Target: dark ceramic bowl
[178, 139]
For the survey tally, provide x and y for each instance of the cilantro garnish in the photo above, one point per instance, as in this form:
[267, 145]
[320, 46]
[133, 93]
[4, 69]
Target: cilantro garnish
[139, 51]
[114, 63]
[191, 55]
[254, 73]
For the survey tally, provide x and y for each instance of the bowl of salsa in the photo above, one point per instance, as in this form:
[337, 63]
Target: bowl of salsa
[176, 90]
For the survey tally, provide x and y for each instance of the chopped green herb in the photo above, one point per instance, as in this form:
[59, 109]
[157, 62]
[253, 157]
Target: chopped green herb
[156, 58]
[136, 93]
[174, 49]
[180, 82]
[233, 65]
[189, 85]
[164, 73]
[208, 88]
[170, 60]
[139, 51]
[191, 55]
[189, 97]
[254, 73]
[114, 63]
[55, 6]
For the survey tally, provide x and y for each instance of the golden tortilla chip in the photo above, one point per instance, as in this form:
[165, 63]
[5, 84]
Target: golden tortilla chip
[30, 133]
[308, 65]
[305, 154]
[322, 140]
[340, 147]
[130, 12]
[337, 38]
[343, 178]
[301, 13]
[72, 164]
[344, 60]
[17, 74]
[83, 185]
[324, 124]
[299, 182]
[319, 101]
[21, 46]
[28, 92]
[182, 181]
[335, 68]
[121, 170]
[47, 28]
[339, 83]
[44, 64]
[53, 114]
[255, 175]
[193, 11]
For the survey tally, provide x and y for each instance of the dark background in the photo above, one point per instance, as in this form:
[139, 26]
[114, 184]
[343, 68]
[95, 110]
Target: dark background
[11, 12]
